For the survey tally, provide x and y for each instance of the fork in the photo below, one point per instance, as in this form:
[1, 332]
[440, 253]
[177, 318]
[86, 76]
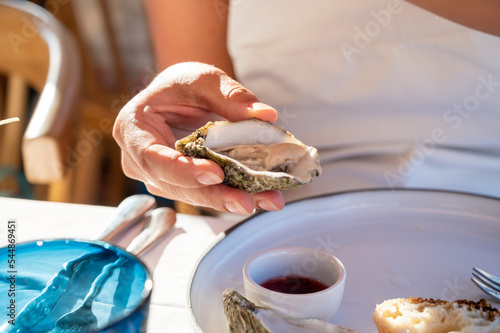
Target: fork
[487, 282]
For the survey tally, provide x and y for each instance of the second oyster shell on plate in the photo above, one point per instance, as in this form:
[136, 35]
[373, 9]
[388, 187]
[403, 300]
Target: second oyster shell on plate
[243, 316]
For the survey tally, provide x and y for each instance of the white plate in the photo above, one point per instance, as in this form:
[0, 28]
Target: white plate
[393, 244]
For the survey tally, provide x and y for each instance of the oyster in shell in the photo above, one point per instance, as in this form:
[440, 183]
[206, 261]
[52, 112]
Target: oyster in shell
[255, 155]
[244, 316]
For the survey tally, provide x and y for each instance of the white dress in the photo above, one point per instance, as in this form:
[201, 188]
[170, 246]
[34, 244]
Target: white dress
[391, 95]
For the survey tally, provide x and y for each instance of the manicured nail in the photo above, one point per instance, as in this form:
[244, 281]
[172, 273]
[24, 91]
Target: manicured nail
[267, 205]
[208, 178]
[236, 207]
[263, 111]
[261, 106]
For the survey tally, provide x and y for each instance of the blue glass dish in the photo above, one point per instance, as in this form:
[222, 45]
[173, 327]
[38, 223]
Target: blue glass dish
[49, 279]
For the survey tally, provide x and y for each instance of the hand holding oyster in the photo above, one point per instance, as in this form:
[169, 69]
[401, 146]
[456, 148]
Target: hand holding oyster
[255, 155]
[184, 97]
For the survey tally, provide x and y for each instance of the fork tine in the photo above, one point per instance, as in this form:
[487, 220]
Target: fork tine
[490, 277]
[486, 282]
[486, 288]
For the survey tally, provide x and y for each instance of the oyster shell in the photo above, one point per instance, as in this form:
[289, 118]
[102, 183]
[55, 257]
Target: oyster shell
[255, 155]
[244, 316]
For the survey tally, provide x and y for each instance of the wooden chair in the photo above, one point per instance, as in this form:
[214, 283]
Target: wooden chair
[67, 145]
[38, 52]
[50, 53]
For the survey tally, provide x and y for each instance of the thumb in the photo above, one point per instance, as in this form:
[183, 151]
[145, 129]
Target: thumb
[210, 88]
[236, 102]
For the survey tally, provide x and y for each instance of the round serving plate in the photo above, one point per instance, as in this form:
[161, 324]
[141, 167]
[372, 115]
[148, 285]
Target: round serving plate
[393, 243]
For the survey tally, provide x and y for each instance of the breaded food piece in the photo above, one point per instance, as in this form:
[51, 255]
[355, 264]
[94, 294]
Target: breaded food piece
[415, 315]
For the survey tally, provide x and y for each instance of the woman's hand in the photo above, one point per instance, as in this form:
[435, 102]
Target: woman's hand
[181, 99]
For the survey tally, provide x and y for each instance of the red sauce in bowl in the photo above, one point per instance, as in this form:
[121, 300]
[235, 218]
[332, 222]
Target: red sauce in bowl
[294, 285]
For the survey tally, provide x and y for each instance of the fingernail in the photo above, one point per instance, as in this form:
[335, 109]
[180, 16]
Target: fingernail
[208, 178]
[261, 106]
[236, 207]
[267, 205]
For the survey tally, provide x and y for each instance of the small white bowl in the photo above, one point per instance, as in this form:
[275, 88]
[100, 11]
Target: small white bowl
[296, 261]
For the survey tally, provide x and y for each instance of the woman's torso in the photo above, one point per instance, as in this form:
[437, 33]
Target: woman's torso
[379, 87]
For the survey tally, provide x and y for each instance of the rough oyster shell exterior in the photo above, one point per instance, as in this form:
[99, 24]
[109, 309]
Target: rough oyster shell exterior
[243, 316]
[240, 176]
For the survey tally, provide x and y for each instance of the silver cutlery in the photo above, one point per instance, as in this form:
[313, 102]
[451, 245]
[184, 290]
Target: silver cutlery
[487, 282]
[129, 212]
[158, 224]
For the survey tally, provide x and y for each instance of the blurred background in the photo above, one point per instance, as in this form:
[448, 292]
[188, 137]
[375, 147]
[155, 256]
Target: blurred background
[112, 60]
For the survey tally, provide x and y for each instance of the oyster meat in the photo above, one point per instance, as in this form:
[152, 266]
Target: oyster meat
[244, 316]
[255, 155]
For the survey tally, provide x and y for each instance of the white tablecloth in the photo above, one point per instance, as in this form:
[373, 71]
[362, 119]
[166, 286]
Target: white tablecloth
[170, 262]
